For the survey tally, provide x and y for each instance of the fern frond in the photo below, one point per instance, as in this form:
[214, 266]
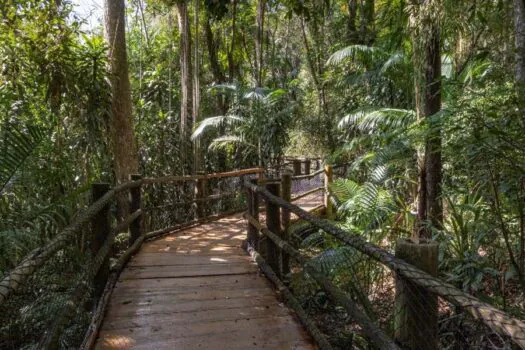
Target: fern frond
[357, 52]
[223, 141]
[214, 122]
[372, 119]
[16, 146]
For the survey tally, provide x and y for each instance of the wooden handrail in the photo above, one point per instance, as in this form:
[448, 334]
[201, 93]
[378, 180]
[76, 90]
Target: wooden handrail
[195, 200]
[308, 176]
[183, 178]
[307, 193]
[374, 333]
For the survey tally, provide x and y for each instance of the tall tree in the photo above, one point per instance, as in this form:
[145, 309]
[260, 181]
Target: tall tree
[519, 27]
[259, 40]
[519, 38]
[122, 137]
[351, 23]
[196, 85]
[427, 42]
[367, 22]
[231, 60]
[185, 68]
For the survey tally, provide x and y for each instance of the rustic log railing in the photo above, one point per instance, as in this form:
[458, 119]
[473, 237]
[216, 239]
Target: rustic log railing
[417, 288]
[98, 277]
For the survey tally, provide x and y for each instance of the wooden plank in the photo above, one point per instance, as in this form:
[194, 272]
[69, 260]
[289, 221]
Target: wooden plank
[195, 294]
[159, 259]
[174, 285]
[279, 310]
[187, 271]
[209, 334]
[132, 309]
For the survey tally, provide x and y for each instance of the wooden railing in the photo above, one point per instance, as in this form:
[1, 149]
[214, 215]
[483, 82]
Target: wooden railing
[98, 275]
[417, 291]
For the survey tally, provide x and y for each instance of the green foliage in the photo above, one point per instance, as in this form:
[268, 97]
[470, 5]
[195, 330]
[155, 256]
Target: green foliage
[256, 126]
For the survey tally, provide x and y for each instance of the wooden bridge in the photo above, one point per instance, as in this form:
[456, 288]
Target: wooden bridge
[193, 285]
[199, 289]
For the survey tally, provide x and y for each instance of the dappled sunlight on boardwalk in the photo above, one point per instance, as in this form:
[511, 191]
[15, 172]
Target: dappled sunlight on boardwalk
[197, 289]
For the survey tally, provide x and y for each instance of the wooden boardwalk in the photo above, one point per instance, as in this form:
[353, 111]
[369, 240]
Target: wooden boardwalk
[198, 289]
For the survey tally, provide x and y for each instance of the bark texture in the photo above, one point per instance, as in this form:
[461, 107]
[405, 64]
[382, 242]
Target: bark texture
[432, 105]
[519, 27]
[125, 160]
[261, 6]
[185, 69]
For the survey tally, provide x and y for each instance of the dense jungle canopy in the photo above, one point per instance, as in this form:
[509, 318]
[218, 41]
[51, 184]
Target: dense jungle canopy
[423, 99]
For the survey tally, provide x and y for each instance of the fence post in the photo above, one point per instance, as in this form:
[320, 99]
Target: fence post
[135, 228]
[101, 228]
[253, 210]
[273, 222]
[296, 167]
[307, 167]
[328, 176]
[416, 318]
[200, 192]
[286, 194]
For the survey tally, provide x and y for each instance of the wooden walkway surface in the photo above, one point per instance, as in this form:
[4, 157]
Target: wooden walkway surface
[198, 289]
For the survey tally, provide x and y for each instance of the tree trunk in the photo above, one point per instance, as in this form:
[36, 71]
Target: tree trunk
[367, 22]
[218, 77]
[125, 159]
[351, 24]
[316, 71]
[519, 37]
[259, 40]
[519, 27]
[216, 70]
[231, 60]
[186, 79]
[196, 88]
[429, 206]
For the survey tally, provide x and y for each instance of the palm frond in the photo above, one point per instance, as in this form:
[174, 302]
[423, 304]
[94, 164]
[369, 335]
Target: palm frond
[395, 62]
[224, 141]
[358, 52]
[371, 119]
[214, 122]
[16, 146]
[256, 94]
[226, 89]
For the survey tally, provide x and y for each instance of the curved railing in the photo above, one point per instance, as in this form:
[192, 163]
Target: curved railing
[416, 292]
[98, 276]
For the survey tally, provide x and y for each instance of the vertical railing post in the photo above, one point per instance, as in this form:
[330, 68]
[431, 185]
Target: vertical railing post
[307, 164]
[135, 228]
[253, 210]
[296, 167]
[286, 194]
[416, 312]
[273, 222]
[200, 193]
[101, 227]
[328, 176]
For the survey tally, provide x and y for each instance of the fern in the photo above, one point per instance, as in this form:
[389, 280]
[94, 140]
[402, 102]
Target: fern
[16, 146]
[373, 119]
[359, 52]
[366, 205]
[214, 122]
